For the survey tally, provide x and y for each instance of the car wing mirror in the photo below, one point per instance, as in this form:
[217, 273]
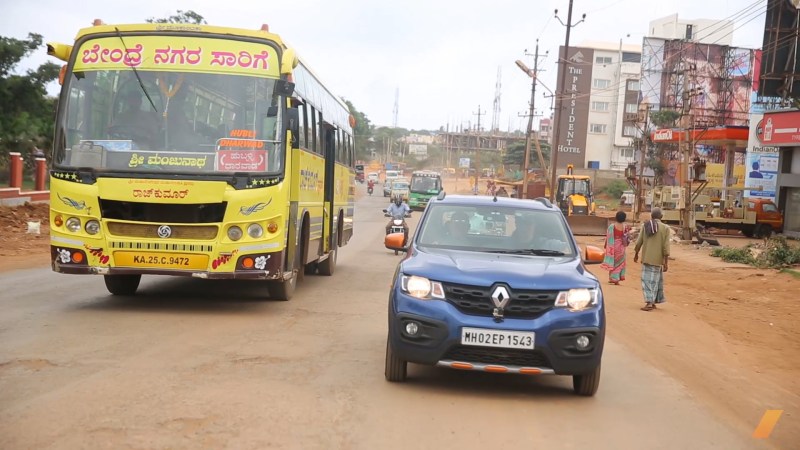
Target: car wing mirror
[593, 255]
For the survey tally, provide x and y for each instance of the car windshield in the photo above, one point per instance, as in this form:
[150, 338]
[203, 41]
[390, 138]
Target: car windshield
[496, 229]
[180, 111]
[769, 207]
[400, 185]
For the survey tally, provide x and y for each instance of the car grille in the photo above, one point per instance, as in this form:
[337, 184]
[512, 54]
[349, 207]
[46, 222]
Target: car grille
[477, 301]
[500, 356]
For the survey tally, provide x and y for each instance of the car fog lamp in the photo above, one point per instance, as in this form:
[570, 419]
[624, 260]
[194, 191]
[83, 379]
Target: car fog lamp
[255, 230]
[234, 233]
[92, 227]
[73, 224]
[412, 328]
[582, 342]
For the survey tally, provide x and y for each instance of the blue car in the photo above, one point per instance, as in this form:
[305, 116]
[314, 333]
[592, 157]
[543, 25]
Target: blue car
[496, 285]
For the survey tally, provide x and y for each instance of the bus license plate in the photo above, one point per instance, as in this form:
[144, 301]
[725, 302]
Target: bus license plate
[160, 260]
[497, 338]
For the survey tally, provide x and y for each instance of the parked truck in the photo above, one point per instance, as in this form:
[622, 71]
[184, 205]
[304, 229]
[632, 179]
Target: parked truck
[754, 217]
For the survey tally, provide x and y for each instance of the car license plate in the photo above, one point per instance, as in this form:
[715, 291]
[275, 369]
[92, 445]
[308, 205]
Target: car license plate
[160, 260]
[497, 338]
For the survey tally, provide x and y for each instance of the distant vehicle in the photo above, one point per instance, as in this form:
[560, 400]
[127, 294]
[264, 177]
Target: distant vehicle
[424, 186]
[391, 175]
[400, 188]
[496, 285]
[627, 198]
[373, 176]
[387, 187]
[360, 173]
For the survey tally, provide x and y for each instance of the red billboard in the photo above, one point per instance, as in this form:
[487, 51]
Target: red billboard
[781, 128]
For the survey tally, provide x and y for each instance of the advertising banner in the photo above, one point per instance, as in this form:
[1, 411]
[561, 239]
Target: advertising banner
[761, 162]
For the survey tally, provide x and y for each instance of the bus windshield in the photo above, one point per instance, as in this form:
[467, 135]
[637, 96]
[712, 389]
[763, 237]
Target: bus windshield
[167, 121]
[425, 184]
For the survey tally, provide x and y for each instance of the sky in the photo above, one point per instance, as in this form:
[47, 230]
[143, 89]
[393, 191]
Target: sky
[439, 58]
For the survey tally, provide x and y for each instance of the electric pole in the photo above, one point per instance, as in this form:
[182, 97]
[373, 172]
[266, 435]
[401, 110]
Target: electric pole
[529, 134]
[477, 151]
[560, 99]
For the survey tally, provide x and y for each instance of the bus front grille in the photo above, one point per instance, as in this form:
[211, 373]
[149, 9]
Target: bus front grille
[161, 246]
[138, 230]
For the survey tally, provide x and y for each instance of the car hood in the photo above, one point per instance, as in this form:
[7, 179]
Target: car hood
[485, 269]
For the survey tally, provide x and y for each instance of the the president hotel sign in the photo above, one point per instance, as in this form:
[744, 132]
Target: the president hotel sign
[574, 121]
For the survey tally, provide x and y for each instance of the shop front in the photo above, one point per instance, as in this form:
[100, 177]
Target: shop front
[781, 129]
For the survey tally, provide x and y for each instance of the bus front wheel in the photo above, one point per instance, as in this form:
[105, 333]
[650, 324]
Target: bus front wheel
[122, 284]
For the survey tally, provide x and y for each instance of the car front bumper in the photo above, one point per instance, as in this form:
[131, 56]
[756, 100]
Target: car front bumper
[438, 341]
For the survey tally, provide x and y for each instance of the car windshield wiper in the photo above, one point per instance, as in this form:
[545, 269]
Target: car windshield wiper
[530, 251]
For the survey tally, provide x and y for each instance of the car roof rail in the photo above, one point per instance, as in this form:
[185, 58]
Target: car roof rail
[441, 195]
[544, 201]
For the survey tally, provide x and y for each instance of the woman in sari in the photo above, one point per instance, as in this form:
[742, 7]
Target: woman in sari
[616, 241]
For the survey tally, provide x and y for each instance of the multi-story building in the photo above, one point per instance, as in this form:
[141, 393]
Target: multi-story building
[704, 31]
[546, 130]
[597, 119]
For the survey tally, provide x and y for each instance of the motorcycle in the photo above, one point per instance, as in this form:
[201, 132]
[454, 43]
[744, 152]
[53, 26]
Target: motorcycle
[397, 235]
[369, 190]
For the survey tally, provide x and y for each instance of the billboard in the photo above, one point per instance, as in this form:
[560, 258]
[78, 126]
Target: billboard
[761, 162]
[573, 123]
[721, 78]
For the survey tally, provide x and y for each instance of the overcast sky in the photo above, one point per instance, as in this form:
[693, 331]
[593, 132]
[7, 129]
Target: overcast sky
[442, 55]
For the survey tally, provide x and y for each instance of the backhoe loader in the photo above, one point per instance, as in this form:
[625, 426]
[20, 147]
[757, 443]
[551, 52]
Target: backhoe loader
[574, 197]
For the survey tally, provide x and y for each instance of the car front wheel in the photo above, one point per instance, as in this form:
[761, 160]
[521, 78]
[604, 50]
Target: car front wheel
[587, 384]
[396, 368]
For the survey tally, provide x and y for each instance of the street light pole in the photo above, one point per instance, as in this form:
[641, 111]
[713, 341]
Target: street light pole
[533, 74]
[560, 99]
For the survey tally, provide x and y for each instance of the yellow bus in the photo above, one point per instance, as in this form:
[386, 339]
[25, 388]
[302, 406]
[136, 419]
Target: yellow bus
[200, 151]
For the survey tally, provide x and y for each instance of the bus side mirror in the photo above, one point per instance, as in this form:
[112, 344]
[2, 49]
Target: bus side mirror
[293, 125]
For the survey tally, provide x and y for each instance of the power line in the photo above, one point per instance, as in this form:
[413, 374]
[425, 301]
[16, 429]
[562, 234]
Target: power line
[729, 18]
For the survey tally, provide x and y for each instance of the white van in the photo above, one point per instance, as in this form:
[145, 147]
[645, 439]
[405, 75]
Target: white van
[391, 175]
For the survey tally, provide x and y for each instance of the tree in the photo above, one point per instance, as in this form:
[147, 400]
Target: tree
[656, 154]
[515, 154]
[26, 112]
[181, 17]
[363, 132]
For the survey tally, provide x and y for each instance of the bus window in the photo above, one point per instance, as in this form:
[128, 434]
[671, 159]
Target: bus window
[303, 126]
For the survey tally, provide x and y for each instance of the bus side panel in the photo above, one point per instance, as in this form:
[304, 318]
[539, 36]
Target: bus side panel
[310, 180]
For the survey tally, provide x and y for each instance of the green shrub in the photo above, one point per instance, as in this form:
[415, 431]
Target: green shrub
[734, 255]
[776, 254]
[615, 188]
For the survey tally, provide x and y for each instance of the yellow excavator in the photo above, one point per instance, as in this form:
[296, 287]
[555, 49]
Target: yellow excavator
[574, 197]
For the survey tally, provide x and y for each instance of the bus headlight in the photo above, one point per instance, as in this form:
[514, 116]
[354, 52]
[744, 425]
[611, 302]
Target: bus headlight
[92, 227]
[255, 230]
[73, 224]
[234, 233]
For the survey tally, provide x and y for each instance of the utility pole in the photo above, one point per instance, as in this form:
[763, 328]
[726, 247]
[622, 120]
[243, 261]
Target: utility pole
[688, 127]
[477, 152]
[560, 99]
[528, 135]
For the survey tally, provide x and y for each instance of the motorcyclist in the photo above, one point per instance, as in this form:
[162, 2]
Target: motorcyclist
[398, 210]
[371, 186]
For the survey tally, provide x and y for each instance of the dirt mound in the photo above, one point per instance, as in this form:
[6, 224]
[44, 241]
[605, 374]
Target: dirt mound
[16, 241]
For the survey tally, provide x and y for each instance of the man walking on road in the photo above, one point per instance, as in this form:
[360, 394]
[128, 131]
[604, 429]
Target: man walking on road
[654, 243]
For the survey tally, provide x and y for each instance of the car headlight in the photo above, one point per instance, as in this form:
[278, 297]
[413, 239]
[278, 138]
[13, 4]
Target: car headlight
[577, 299]
[421, 287]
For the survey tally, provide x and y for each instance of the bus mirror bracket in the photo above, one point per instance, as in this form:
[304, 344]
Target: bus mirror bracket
[293, 125]
[284, 88]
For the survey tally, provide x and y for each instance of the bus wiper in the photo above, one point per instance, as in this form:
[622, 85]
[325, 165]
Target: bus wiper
[530, 251]
[136, 72]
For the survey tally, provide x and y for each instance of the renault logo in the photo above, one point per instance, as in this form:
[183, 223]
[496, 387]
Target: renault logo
[164, 231]
[500, 298]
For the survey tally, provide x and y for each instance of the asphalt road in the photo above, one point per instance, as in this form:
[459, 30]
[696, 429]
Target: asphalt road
[210, 364]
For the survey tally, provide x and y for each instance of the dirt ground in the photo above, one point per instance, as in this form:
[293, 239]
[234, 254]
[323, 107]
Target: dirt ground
[740, 322]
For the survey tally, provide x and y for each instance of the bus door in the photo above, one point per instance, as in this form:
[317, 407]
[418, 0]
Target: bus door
[328, 228]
